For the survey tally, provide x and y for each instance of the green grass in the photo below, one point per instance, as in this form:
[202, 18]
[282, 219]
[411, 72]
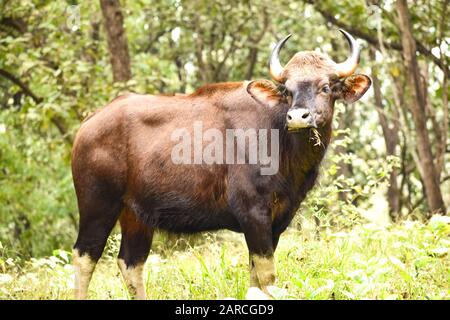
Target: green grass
[403, 261]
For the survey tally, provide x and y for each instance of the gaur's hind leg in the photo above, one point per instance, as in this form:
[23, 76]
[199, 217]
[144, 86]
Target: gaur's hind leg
[99, 212]
[134, 249]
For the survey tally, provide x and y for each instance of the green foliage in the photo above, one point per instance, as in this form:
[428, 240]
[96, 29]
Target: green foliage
[408, 261]
[404, 261]
[37, 196]
[338, 199]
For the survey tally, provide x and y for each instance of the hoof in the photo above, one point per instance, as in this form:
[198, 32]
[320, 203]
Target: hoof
[255, 293]
[277, 292]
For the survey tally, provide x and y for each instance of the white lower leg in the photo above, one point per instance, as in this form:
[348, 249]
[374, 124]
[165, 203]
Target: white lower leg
[134, 279]
[262, 277]
[254, 282]
[84, 267]
[265, 270]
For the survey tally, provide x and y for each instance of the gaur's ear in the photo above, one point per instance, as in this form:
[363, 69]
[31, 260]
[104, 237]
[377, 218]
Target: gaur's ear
[354, 87]
[265, 92]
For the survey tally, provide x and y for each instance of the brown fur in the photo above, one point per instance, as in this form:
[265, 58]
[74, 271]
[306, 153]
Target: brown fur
[210, 89]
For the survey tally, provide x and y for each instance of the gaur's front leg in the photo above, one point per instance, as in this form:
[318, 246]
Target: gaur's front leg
[264, 262]
[262, 271]
[254, 282]
[257, 227]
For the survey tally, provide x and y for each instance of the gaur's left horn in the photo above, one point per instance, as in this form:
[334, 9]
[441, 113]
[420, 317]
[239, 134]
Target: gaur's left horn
[275, 67]
[347, 67]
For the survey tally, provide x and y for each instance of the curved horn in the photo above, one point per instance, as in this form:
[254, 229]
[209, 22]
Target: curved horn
[347, 67]
[275, 67]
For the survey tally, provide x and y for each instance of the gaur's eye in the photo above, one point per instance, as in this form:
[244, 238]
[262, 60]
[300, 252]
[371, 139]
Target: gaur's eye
[326, 89]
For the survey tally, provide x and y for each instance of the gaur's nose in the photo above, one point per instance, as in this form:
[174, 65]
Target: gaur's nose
[299, 118]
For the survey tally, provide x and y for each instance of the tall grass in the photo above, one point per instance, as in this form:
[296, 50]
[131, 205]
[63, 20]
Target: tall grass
[404, 261]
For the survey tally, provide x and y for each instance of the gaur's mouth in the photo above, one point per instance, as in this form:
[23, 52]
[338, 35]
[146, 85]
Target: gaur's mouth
[300, 129]
[295, 130]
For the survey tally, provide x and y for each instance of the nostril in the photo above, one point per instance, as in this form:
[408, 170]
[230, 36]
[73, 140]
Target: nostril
[289, 117]
[305, 115]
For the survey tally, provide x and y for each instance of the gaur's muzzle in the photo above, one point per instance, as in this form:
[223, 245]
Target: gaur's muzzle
[299, 118]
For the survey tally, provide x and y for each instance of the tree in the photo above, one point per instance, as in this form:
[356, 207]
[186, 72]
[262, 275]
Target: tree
[391, 139]
[117, 39]
[427, 168]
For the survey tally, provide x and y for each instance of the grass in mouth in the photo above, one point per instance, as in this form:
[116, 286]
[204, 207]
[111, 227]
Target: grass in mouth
[315, 136]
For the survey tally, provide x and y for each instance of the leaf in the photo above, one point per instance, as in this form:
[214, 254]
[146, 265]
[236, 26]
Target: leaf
[5, 278]
[348, 294]
[10, 262]
[402, 268]
[396, 262]
[278, 293]
[439, 252]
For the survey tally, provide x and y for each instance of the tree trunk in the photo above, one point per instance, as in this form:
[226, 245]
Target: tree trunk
[417, 107]
[117, 40]
[345, 169]
[252, 58]
[391, 139]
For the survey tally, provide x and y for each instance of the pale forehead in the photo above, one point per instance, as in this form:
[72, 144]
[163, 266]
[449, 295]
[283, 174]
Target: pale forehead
[309, 65]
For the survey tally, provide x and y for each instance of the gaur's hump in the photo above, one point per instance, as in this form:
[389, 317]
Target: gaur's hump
[210, 89]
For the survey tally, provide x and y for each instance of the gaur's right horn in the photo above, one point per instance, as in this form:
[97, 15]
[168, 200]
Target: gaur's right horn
[275, 67]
